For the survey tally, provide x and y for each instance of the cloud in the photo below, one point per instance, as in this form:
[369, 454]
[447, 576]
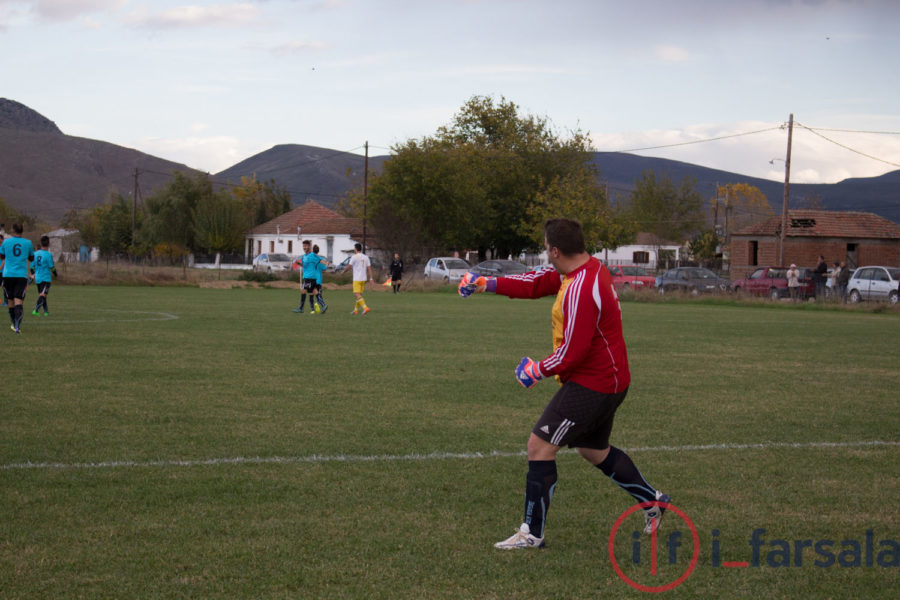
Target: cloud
[671, 54]
[296, 47]
[13, 12]
[210, 154]
[193, 16]
[813, 159]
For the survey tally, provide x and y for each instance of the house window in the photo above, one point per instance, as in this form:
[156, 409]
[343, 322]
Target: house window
[290, 246]
[272, 246]
[753, 253]
[641, 257]
[258, 247]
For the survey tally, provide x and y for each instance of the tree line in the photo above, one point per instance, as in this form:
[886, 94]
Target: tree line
[189, 215]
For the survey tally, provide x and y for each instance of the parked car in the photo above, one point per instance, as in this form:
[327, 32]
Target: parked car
[772, 282]
[499, 268]
[271, 263]
[625, 276]
[874, 283]
[691, 280]
[446, 268]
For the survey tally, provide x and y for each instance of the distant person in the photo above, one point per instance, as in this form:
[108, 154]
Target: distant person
[5, 303]
[396, 269]
[819, 276]
[310, 262]
[44, 271]
[833, 279]
[361, 265]
[320, 271]
[16, 252]
[843, 280]
[793, 279]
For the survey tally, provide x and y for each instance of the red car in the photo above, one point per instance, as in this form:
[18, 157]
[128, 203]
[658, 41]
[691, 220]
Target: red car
[772, 282]
[630, 276]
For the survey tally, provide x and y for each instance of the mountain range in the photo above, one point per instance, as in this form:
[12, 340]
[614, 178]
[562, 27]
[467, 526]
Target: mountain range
[45, 173]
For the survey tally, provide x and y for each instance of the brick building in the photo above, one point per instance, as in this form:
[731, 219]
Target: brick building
[859, 238]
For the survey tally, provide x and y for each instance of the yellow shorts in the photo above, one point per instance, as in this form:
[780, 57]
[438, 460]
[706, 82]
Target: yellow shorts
[359, 287]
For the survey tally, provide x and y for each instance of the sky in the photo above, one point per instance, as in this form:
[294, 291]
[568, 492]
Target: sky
[210, 83]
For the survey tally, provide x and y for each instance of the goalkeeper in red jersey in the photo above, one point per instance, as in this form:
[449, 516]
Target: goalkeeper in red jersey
[591, 364]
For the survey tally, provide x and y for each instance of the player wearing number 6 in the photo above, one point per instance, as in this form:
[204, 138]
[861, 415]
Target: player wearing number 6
[591, 364]
[16, 252]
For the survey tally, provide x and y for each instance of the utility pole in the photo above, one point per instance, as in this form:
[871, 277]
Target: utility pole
[134, 200]
[787, 189]
[365, 195]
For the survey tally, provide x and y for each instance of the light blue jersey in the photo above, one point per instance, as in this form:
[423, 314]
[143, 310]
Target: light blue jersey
[320, 268]
[16, 252]
[42, 266]
[311, 265]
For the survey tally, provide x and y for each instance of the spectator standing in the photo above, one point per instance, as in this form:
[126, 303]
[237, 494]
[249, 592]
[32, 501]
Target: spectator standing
[842, 281]
[793, 278]
[819, 276]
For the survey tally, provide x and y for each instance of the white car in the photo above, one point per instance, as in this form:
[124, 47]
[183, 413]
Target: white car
[272, 263]
[446, 268]
[874, 283]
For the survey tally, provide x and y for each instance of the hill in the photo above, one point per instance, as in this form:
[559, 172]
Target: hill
[45, 173]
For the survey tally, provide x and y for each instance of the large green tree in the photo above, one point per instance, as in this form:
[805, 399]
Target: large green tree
[669, 212]
[480, 181]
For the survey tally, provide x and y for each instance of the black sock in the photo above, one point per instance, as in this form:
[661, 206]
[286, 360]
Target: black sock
[539, 486]
[46, 308]
[303, 300]
[12, 315]
[619, 467]
[19, 310]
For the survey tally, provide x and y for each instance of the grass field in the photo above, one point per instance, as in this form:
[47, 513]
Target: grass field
[203, 443]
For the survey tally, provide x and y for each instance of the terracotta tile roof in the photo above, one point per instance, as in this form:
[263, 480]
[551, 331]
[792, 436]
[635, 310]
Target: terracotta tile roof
[649, 239]
[827, 223]
[312, 218]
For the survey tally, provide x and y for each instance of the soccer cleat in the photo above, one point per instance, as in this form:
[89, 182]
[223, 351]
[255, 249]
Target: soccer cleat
[366, 310]
[324, 307]
[46, 313]
[521, 539]
[654, 514]
[34, 312]
[299, 309]
[355, 312]
[13, 328]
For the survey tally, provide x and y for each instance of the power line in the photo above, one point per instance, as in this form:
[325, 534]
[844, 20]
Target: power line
[703, 141]
[845, 147]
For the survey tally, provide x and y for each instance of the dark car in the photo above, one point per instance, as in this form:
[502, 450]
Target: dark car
[772, 282]
[691, 280]
[500, 268]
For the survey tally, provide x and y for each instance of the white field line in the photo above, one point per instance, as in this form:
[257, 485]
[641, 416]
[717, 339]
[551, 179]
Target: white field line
[355, 458]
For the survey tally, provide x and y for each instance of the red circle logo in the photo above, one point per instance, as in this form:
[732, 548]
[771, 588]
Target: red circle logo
[654, 588]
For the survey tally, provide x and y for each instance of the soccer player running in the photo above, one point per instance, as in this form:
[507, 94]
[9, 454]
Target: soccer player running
[44, 271]
[361, 265]
[16, 252]
[591, 364]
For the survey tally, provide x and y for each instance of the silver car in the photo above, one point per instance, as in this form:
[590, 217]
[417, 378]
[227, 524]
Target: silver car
[447, 268]
[874, 283]
[272, 263]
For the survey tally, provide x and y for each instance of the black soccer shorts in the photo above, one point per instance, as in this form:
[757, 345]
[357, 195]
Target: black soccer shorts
[579, 417]
[309, 286]
[15, 287]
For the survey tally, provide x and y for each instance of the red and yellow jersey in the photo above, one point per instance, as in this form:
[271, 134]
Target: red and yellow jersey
[588, 345]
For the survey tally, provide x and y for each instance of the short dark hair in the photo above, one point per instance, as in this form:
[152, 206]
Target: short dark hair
[565, 235]
[358, 246]
[45, 241]
[316, 248]
[306, 242]
[17, 227]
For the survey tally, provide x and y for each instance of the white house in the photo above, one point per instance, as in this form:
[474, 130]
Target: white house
[334, 234]
[644, 252]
